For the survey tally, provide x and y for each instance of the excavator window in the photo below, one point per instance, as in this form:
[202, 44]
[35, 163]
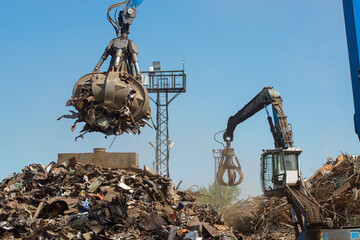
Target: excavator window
[291, 162]
[268, 172]
[274, 171]
[279, 171]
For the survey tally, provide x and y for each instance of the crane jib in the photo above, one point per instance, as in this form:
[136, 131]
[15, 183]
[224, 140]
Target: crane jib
[352, 16]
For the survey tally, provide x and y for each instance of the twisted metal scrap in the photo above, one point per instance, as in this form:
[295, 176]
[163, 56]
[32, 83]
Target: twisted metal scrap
[99, 118]
[227, 165]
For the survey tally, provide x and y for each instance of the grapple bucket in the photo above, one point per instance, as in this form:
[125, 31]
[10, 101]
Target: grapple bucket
[111, 103]
[228, 167]
[115, 101]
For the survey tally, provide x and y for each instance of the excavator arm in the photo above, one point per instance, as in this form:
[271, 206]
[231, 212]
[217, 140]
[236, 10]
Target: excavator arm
[279, 127]
[280, 167]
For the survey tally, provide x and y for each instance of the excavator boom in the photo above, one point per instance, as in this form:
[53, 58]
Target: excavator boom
[280, 167]
[282, 135]
[279, 128]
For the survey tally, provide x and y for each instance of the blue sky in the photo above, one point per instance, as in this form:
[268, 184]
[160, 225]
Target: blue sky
[231, 51]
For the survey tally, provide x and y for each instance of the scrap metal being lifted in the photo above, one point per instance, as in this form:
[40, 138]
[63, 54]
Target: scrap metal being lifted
[115, 101]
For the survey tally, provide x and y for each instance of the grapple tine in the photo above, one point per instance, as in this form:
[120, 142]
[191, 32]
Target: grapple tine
[233, 170]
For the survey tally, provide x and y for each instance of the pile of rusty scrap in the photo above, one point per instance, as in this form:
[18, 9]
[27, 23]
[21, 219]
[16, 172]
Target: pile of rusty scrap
[335, 187]
[261, 218]
[76, 201]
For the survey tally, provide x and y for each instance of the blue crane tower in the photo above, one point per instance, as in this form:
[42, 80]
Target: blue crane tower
[352, 26]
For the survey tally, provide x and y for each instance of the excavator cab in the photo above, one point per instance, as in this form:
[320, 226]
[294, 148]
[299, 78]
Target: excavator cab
[279, 167]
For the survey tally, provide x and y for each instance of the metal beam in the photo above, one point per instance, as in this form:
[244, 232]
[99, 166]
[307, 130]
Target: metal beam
[349, 16]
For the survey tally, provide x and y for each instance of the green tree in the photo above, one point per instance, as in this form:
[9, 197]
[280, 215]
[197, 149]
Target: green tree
[219, 195]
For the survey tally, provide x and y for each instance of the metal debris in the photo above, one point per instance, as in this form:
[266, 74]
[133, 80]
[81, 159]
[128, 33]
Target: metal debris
[128, 114]
[260, 218]
[336, 190]
[335, 187]
[77, 201]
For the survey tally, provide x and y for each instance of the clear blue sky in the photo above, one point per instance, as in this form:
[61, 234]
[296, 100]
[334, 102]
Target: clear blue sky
[232, 50]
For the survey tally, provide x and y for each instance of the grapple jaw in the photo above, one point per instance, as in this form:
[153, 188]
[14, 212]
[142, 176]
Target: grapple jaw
[111, 103]
[228, 168]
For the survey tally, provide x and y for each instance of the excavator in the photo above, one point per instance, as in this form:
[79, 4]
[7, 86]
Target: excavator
[280, 170]
[280, 167]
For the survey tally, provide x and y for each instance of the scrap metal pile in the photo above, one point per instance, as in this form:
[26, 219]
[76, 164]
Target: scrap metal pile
[335, 187]
[261, 218]
[76, 201]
